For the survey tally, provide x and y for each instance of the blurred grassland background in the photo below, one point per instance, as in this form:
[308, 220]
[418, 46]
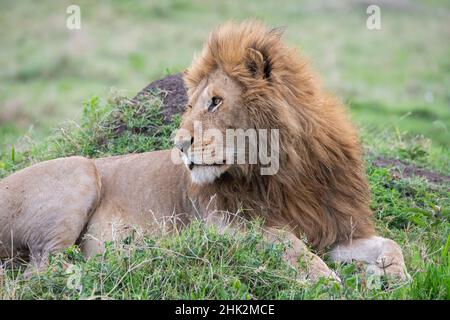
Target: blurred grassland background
[395, 80]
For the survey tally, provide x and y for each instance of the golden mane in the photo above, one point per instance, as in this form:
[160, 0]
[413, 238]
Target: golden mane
[320, 190]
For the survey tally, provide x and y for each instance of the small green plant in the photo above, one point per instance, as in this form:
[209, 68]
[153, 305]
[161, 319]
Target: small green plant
[13, 154]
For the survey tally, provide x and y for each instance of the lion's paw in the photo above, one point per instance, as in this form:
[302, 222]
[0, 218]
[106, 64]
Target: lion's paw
[391, 268]
[318, 269]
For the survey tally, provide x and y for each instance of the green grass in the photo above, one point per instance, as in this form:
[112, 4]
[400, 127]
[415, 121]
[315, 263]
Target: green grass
[198, 262]
[201, 263]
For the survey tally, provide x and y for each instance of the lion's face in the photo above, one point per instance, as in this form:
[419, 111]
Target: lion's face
[214, 107]
[215, 111]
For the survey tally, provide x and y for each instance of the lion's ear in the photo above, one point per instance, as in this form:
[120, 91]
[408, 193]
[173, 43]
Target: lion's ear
[256, 64]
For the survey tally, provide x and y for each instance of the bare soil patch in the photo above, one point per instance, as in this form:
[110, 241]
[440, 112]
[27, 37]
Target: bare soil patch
[403, 169]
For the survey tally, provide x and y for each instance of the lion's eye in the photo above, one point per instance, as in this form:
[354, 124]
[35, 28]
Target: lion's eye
[214, 103]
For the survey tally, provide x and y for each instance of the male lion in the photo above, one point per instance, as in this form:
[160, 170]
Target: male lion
[245, 78]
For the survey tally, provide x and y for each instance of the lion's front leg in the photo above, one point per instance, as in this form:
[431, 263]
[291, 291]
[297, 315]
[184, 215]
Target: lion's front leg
[297, 254]
[382, 256]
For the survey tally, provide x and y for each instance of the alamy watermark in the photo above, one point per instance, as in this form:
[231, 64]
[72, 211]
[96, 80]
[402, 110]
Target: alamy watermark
[373, 22]
[73, 21]
[234, 146]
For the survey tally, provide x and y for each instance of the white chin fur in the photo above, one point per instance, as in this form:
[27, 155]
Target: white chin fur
[205, 174]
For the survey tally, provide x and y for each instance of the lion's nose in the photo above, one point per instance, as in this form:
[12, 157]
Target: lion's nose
[183, 145]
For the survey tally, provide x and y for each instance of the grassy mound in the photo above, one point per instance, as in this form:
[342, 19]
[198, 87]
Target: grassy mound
[200, 263]
[113, 127]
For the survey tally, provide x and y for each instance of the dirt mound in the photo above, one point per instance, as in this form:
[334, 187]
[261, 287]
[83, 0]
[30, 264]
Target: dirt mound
[403, 169]
[174, 94]
[175, 98]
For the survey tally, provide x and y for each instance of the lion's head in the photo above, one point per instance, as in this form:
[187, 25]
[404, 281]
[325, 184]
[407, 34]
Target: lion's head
[215, 105]
[232, 85]
[246, 78]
